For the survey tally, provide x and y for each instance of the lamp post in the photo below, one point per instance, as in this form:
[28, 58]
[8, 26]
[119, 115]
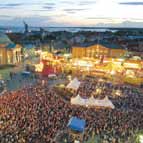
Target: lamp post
[0, 59]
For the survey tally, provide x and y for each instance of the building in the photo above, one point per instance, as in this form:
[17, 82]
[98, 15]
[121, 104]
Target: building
[10, 53]
[95, 50]
[28, 50]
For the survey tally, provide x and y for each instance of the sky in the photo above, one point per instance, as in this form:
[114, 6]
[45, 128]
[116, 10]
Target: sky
[61, 13]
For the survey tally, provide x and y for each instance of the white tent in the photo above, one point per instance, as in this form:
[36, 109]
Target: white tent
[108, 102]
[74, 84]
[78, 100]
[104, 103]
[52, 76]
[92, 102]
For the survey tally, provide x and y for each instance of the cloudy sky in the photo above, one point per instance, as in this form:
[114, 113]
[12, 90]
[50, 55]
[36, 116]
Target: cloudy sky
[125, 13]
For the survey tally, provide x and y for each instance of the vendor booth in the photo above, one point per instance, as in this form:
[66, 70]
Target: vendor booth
[74, 84]
[47, 70]
[76, 127]
[52, 76]
[133, 80]
[132, 64]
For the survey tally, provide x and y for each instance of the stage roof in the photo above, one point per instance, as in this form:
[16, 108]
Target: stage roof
[77, 124]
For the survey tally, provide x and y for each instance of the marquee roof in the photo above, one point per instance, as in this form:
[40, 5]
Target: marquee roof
[77, 124]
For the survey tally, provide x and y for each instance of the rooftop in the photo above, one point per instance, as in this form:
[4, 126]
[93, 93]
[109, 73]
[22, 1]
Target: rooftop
[11, 46]
[4, 39]
[106, 44]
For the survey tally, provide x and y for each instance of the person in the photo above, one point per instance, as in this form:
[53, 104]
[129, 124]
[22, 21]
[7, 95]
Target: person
[11, 75]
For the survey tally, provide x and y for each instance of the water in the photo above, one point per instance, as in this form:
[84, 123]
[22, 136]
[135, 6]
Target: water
[52, 29]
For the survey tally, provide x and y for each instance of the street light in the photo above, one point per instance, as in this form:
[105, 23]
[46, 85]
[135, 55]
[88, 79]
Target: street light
[140, 138]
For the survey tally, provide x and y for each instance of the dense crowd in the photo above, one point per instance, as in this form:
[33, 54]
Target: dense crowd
[123, 96]
[36, 114]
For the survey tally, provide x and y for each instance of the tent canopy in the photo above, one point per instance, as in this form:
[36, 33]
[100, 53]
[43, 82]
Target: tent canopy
[52, 75]
[92, 102]
[76, 124]
[77, 100]
[74, 84]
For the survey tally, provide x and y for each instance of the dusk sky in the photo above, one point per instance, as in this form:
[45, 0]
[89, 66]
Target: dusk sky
[126, 13]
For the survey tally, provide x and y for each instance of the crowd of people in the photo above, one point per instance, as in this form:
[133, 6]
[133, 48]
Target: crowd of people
[123, 96]
[35, 114]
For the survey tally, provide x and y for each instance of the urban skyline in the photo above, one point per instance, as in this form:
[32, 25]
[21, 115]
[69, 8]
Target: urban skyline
[98, 13]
